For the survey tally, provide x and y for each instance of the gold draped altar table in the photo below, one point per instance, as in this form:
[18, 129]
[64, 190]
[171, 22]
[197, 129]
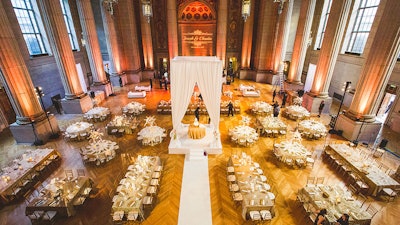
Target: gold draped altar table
[196, 132]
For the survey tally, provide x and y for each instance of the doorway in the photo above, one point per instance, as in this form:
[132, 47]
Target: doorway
[386, 105]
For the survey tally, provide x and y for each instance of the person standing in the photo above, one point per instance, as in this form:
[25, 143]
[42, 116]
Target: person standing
[273, 95]
[276, 109]
[284, 99]
[320, 108]
[230, 108]
[197, 113]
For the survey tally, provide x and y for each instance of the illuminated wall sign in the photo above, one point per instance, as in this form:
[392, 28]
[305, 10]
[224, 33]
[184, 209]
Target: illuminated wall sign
[197, 40]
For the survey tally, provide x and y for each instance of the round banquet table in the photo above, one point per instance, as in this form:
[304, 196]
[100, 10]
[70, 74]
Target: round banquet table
[78, 127]
[312, 129]
[196, 132]
[151, 135]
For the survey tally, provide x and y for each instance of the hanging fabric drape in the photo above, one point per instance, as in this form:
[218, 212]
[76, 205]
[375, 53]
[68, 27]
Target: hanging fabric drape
[185, 72]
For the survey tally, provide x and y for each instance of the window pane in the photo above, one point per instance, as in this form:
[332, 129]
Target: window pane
[362, 25]
[30, 30]
[68, 23]
[324, 21]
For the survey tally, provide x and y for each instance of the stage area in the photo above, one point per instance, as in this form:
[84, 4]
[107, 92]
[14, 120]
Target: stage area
[182, 144]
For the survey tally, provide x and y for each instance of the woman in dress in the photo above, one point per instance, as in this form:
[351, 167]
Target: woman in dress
[321, 219]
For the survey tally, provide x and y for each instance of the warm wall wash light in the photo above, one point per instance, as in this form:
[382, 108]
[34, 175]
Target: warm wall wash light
[109, 5]
[280, 9]
[147, 10]
[246, 9]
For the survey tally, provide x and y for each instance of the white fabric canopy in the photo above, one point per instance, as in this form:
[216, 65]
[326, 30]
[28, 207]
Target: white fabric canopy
[185, 72]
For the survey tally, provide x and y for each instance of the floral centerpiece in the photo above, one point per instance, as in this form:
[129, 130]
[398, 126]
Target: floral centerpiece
[298, 101]
[95, 136]
[150, 121]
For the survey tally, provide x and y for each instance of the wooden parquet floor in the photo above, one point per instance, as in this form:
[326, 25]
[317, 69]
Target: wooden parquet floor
[285, 181]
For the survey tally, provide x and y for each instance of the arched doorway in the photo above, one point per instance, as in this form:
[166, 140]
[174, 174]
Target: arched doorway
[196, 29]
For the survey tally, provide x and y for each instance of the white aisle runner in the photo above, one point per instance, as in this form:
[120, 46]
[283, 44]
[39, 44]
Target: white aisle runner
[195, 204]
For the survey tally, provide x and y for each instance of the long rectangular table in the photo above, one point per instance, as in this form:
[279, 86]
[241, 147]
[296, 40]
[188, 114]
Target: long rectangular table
[256, 192]
[365, 168]
[139, 179]
[336, 201]
[61, 196]
[25, 168]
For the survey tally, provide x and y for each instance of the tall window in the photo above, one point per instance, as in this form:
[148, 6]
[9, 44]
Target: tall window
[69, 24]
[29, 26]
[323, 22]
[362, 26]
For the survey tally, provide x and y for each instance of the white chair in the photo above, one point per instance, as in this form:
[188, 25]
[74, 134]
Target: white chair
[118, 216]
[231, 178]
[233, 187]
[255, 215]
[133, 215]
[271, 196]
[266, 215]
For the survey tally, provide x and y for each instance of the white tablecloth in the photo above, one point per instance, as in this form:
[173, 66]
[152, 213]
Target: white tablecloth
[261, 107]
[151, 135]
[134, 108]
[243, 135]
[296, 112]
[292, 151]
[79, 127]
[101, 151]
[312, 129]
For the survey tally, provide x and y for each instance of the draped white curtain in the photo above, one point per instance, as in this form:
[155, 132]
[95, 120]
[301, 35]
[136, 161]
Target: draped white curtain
[185, 72]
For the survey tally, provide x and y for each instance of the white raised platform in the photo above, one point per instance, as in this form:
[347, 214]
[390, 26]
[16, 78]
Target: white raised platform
[138, 94]
[195, 203]
[182, 144]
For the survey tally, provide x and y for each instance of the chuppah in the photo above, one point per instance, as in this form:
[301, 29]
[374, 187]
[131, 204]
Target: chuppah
[187, 73]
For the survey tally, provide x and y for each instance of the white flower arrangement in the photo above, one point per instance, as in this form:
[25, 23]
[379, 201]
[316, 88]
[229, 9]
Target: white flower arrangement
[95, 136]
[150, 121]
[298, 101]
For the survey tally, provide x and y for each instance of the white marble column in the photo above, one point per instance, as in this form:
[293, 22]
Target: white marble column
[92, 42]
[147, 43]
[172, 24]
[111, 40]
[19, 87]
[379, 62]
[57, 34]
[130, 56]
[375, 74]
[331, 44]
[15, 75]
[282, 35]
[222, 30]
[247, 39]
[301, 41]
